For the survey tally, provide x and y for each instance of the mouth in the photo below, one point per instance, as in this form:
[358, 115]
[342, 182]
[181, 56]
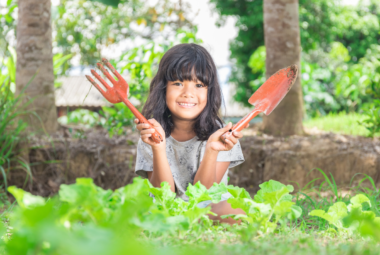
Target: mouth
[186, 105]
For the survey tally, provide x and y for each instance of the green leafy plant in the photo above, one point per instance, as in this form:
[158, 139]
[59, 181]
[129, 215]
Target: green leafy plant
[372, 119]
[82, 117]
[11, 127]
[116, 118]
[59, 61]
[271, 204]
[350, 218]
[322, 22]
[86, 219]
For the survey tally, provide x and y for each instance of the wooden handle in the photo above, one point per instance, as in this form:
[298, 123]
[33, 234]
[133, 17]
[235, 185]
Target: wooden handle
[242, 123]
[156, 137]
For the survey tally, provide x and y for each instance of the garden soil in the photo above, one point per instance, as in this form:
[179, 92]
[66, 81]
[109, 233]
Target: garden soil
[72, 153]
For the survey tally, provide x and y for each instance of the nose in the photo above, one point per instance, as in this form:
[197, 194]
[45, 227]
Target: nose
[188, 91]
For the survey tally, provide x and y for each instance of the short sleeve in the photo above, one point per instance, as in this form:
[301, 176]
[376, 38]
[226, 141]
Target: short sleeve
[234, 156]
[144, 159]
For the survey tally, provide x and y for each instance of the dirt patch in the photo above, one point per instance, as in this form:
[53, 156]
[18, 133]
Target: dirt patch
[111, 161]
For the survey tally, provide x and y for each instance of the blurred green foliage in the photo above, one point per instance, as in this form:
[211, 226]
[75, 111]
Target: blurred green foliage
[86, 219]
[100, 26]
[372, 119]
[339, 123]
[109, 2]
[82, 117]
[8, 14]
[335, 39]
[330, 82]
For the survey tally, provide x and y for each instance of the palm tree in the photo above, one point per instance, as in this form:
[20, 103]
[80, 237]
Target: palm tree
[34, 57]
[282, 41]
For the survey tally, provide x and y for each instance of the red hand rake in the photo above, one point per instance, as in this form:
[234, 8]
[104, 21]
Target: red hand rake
[119, 93]
[268, 96]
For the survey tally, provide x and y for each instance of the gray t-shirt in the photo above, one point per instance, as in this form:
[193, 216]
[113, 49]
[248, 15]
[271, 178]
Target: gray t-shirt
[183, 158]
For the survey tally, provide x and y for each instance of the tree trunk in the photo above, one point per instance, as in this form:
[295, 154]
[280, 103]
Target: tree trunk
[35, 57]
[282, 41]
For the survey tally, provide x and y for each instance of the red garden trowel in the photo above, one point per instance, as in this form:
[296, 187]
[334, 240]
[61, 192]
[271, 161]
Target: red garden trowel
[119, 93]
[268, 96]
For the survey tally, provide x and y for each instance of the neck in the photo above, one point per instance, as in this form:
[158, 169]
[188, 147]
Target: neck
[183, 130]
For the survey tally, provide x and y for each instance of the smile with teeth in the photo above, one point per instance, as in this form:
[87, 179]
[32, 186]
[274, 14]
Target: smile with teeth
[186, 105]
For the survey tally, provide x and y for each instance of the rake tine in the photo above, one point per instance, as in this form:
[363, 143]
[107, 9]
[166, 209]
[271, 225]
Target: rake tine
[106, 73]
[95, 84]
[113, 70]
[101, 80]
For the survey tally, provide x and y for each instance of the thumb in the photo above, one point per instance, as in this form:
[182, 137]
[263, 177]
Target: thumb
[226, 128]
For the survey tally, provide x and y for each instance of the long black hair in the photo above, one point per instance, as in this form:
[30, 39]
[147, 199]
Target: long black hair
[186, 62]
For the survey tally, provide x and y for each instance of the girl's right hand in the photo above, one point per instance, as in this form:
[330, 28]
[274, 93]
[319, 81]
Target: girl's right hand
[147, 132]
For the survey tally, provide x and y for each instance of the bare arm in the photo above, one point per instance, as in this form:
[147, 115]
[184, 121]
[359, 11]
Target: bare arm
[210, 170]
[161, 170]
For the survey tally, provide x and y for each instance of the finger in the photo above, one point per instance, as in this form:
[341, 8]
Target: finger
[147, 131]
[136, 121]
[224, 129]
[232, 139]
[146, 137]
[247, 126]
[237, 134]
[230, 145]
[142, 126]
[154, 122]
[228, 126]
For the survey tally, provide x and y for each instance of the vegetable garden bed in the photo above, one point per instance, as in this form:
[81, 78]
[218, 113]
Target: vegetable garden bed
[111, 161]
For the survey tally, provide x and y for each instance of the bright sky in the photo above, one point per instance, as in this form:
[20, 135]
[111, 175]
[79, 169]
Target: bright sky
[216, 40]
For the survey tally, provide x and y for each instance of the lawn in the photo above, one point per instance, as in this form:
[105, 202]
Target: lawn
[341, 123]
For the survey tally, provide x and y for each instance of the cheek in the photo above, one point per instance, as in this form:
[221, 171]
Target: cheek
[203, 98]
[170, 97]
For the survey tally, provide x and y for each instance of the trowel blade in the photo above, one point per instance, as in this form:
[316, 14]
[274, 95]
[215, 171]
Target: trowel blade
[270, 94]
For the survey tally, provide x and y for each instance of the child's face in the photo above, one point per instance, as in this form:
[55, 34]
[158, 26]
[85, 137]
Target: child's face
[186, 100]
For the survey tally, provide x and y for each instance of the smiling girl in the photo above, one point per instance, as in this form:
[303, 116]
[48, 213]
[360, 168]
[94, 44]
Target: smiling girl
[184, 105]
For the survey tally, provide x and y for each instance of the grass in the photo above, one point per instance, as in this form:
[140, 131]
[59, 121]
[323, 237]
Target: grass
[341, 123]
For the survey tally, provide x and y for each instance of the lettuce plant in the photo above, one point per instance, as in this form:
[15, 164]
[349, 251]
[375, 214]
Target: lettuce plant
[271, 204]
[352, 218]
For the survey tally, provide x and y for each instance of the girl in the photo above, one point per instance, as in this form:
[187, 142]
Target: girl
[184, 103]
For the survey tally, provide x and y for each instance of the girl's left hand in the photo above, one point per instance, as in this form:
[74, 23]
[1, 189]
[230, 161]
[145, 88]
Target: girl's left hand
[215, 143]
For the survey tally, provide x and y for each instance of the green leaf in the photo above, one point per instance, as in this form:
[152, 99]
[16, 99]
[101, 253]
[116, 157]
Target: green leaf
[198, 193]
[273, 186]
[216, 191]
[164, 195]
[334, 215]
[295, 212]
[114, 3]
[322, 214]
[282, 208]
[357, 201]
[25, 199]
[238, 192]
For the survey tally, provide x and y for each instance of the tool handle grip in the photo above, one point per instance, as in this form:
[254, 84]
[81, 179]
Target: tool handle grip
[156, 136]
[241, 124]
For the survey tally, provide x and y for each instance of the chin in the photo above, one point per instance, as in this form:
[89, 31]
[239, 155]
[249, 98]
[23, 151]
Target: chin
[188, 117]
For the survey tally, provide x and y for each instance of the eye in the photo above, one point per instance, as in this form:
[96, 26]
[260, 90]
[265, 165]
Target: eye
[200, 85]
[177, 84]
